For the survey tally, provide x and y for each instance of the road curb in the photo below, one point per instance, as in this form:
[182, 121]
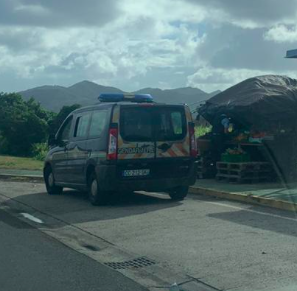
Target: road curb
[22, 178]
[251, 199]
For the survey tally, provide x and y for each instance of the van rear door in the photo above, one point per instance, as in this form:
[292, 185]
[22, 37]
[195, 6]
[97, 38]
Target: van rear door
[172, 141]
[136, 133]
[153, 132]
[153, 141]
[171, 132]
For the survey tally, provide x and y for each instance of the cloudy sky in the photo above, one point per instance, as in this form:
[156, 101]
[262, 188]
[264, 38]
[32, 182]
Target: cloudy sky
[209, 44]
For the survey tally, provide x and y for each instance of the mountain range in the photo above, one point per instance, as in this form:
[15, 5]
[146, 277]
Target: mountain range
[86, 93]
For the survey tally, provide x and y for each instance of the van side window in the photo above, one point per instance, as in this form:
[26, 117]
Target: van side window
[81, 125]
[65, 132]
[98, 123]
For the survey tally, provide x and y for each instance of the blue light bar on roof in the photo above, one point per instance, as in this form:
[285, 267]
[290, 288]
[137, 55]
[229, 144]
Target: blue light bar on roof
[120, 97]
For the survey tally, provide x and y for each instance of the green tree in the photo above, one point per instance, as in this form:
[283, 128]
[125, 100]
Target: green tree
[35, 107]
[21, 124]
[25, 125]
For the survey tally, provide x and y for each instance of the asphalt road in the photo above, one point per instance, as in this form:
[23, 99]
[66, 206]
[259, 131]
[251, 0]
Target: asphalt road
[222, 245]
[30, 260]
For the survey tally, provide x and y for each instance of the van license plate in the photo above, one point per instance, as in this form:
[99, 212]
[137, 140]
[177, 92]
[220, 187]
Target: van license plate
[136, 173]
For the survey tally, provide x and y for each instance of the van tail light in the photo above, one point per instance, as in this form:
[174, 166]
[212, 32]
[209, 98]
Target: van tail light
[112, 144]
[193, 144]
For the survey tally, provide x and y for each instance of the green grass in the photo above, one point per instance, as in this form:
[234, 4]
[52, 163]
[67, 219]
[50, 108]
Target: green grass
[16, 163]
[202, 130]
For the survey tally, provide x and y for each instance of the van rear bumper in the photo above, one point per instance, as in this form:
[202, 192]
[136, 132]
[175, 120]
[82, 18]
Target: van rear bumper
[109, 180]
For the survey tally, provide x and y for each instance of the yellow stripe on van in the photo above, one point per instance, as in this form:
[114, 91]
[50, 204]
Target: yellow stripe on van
[116, 115]
[188, 114]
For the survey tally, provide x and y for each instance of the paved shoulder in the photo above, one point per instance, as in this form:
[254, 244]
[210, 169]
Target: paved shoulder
[30, 260]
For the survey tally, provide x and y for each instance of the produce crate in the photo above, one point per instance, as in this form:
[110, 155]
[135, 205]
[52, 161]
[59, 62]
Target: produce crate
[248, 172]
[247, 166]
[235, 158]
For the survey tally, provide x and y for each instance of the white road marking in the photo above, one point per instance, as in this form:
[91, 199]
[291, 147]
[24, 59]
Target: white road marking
[252, 211]
[234, 207]
[31, 217]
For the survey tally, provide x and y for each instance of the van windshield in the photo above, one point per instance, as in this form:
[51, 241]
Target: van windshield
[147, 124]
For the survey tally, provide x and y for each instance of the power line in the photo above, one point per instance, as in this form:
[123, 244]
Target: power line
[201, 101]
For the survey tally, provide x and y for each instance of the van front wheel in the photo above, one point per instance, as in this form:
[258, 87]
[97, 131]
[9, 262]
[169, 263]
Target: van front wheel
[179, 193]
[96, 196]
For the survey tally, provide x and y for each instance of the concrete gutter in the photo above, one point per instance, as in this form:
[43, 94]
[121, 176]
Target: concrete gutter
[246, 198]
[22, 178]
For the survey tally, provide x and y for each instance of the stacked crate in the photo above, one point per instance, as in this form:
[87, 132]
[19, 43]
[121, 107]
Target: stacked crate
[249, 172]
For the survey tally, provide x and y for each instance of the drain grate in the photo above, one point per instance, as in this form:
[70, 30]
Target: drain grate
[132, 264]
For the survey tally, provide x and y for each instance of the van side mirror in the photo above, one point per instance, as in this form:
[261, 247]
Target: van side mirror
[52, 140]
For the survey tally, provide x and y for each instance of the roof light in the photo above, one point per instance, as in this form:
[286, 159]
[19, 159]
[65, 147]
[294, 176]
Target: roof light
[120, 97]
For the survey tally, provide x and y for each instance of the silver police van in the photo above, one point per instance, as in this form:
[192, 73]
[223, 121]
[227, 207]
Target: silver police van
[124, 143]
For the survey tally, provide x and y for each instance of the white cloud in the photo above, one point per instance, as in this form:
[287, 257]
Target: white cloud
[120, 51]
[282, 33]
[164, 10]
[56, 13]
[251, 13]
[132, 43]
[34, 9]
[212, 79]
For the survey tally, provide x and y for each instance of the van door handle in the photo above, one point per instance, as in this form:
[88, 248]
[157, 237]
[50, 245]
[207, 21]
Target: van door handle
[164, 147]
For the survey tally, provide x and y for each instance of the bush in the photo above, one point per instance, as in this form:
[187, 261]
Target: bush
[202, 130]
[3, 145]
[39, 151]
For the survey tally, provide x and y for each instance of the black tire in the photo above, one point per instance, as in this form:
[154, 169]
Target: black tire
[49, 180]
[179, 193]
[96, 195]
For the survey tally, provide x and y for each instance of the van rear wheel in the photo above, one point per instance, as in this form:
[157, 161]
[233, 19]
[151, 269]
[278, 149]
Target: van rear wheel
[49, 179]
[179, 193]
[96, 195]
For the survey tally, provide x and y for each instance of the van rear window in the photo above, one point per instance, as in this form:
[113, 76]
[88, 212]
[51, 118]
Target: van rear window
[136, 124]
[147, 124]
[170, 124]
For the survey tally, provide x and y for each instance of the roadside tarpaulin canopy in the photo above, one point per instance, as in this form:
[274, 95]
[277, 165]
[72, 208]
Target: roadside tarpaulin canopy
[265, 103]
[259, 101]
